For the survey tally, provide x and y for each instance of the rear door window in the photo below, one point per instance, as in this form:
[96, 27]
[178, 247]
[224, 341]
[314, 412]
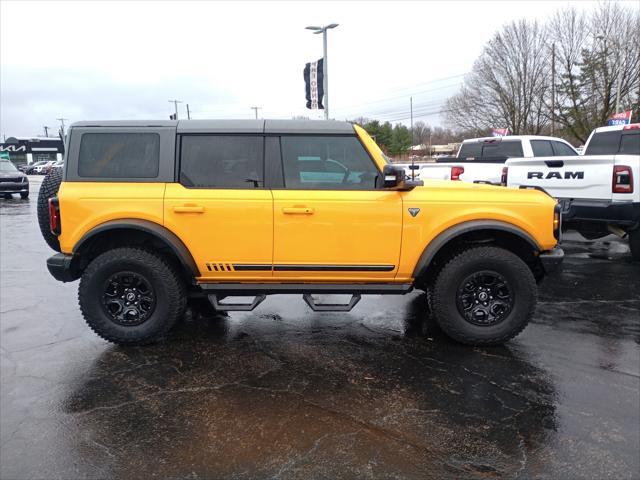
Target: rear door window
[119, 155]
[541, 148]
[563, 150]
[490, 151]
[222, 161]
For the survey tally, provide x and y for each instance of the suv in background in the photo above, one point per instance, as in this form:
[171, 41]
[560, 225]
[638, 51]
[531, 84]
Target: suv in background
[12, 180]
[217, 209]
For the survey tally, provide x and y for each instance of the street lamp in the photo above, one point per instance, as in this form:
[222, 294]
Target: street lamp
[325, 83]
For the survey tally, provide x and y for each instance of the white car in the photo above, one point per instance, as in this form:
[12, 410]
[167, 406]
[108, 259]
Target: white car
[44, 167]
[599, 191]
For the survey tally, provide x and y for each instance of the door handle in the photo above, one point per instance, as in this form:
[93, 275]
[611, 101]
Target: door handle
[189, 209]
[298, 211]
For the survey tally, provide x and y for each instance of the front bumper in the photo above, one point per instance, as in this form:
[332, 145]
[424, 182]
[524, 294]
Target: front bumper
[551, 259]
[61, 267]
[14, 187]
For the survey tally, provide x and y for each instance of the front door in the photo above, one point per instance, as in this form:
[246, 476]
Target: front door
[220, 208]
[332, 222]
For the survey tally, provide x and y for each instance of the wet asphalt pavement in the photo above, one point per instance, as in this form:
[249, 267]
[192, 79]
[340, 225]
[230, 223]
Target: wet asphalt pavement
[282, 392]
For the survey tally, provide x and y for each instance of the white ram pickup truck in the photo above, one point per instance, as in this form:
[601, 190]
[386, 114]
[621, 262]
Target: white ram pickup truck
[480, 160]
[599, 191]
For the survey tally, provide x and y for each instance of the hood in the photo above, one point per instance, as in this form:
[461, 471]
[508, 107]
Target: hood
[17, 174]
[466, 192]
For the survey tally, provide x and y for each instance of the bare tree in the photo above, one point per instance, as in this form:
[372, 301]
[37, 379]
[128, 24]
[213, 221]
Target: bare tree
[508, 85]
[596, 52]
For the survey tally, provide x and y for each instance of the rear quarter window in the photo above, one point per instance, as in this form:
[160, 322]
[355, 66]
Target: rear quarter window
[119, 155]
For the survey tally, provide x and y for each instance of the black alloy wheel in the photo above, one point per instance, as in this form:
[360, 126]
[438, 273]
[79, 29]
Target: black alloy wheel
[128, 298]
[484, 298]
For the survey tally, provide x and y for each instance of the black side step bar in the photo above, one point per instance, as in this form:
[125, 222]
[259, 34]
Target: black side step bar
[331, 307]
[245, 289]
[235, 307]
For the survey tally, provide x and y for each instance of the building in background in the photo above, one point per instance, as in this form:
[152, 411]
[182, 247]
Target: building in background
[28, 150]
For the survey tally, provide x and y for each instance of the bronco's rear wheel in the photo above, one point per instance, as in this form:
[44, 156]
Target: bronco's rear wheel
[48, 189]
[484, 296]
[131, 296]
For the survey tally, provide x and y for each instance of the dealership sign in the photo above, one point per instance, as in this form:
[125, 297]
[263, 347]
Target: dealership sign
[622, 118]
[499, 132]
[13, 148]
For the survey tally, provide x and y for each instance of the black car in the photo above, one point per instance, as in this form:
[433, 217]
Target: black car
[12, 180]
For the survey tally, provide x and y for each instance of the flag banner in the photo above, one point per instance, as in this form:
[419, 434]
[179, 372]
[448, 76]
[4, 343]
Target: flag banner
[622, 118]
[314, 82]
[499, 132]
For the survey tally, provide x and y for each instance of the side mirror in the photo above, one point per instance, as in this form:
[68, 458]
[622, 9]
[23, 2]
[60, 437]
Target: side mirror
[396, 179]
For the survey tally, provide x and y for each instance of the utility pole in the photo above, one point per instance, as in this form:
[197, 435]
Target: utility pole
[62, 124]
[175, 105]
[188, 113]
[411, 109]
[46, 131]
[553, 89]
[618, 86]
[325, 64]
[255, 109]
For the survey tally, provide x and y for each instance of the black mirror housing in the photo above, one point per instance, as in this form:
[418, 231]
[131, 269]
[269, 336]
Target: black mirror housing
[395, 178]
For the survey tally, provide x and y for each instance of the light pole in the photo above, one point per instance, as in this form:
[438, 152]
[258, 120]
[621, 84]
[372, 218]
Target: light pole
[175, 105]
[325, 83]
[256, 110]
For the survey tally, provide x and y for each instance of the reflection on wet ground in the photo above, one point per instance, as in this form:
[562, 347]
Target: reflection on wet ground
[284, 392]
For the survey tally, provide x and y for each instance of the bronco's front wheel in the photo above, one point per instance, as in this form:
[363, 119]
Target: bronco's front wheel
[484, 296]
[131, 296]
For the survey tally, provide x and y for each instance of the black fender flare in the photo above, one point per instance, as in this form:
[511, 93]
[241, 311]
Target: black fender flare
[452, 232]
[165, 235]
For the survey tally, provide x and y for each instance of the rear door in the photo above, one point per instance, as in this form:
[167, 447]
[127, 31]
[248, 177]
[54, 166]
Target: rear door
[220, 208]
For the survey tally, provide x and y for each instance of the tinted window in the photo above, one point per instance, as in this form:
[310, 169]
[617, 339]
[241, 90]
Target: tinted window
[219, 161]
[604, 143]
[119, 155]
[630, 143]
[541, 148]
[502, 149]
[562, 149]
[490, 150]
[324, 162]
[470, 150]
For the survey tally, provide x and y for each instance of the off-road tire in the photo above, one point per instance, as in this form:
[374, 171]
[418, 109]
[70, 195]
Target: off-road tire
[48, 189]
[168, 286]
[444, 295]
[634, 243]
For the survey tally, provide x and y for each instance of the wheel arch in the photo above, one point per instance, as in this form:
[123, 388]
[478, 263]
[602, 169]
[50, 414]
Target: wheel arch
[503, 234]
[138, 233]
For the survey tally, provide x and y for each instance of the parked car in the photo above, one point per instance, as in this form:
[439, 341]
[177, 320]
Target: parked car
[480, 160]
[12, 180]
[30, 169]
[599, 191]
[260, 207]
[44, 167]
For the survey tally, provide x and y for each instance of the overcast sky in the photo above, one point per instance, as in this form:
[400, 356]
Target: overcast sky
[117, 60]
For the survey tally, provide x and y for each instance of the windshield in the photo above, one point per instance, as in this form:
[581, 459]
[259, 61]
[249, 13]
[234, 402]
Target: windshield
[6, 166]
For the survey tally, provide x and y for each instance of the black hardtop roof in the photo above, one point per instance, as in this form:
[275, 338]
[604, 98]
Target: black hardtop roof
[232, 126]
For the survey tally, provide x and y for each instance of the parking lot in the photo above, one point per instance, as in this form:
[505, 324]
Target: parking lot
[283, 392]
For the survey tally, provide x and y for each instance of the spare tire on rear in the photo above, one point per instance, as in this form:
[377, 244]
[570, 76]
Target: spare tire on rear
[48, 189]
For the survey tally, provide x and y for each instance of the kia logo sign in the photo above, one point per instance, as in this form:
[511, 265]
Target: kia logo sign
[13, 148]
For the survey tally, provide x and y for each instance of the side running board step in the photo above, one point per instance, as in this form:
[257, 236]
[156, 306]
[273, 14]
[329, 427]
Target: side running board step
[331, 307]
[235, 307]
